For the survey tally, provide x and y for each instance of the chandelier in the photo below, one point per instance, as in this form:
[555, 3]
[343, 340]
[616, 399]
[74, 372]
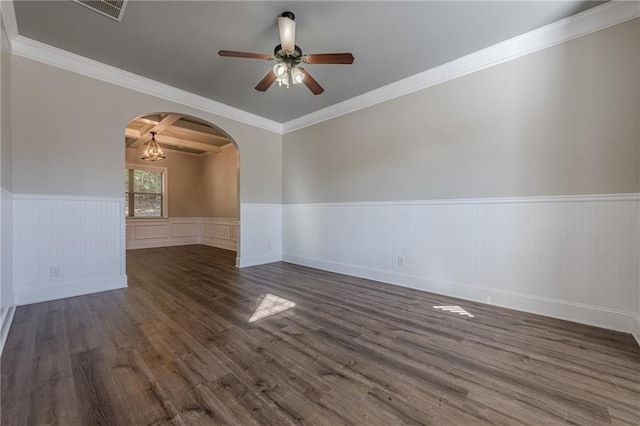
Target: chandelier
[152, 150]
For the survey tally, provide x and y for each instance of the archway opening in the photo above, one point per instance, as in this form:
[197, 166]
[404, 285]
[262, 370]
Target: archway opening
[189, 193]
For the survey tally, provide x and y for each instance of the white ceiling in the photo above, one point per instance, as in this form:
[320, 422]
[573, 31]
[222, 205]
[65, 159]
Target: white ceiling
[176, 42]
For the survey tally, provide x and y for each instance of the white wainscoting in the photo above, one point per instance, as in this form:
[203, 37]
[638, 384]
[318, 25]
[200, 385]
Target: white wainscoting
[7, 302]
[573, 257]
[260, 234]
[175, 231]
[220, 232]
[178, 231]
[82, 237]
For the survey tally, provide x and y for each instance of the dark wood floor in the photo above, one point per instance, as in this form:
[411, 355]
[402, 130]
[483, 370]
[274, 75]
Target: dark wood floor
[185, 344]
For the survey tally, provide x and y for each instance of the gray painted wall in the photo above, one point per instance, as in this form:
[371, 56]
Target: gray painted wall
[6, 209]
[5, 135]
[220, 183]
[557, 122]
[68, 130]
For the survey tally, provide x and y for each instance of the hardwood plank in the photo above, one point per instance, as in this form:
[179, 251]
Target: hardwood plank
[53, 390]
[178, 348]
[95, 402]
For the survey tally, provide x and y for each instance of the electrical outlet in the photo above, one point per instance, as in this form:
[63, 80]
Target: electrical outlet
[400, 260]
[54, 271]
[489, 299]
[268, 247]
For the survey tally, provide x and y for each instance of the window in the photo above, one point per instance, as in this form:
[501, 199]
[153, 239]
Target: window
[144, 187]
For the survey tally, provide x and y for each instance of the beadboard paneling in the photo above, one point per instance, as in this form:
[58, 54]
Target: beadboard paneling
[82, 236]
[569, 257]
[260, 233]
[7, 302]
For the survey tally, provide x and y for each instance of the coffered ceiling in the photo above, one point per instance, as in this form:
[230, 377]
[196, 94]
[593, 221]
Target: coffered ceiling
[176, 42]
[175, 132]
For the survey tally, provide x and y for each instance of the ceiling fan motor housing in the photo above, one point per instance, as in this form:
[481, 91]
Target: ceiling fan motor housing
[289, 15]
[290, 58]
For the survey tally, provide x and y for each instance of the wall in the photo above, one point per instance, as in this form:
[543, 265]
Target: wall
[637, 324]
[70, 109]
[6, 198]
[184, 183]
[220, 183]
[73, 174]
[492, 166]
[557, 122]
[203, 202]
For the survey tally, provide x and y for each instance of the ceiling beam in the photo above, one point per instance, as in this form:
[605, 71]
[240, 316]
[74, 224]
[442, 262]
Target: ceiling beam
[186, 128]
[185, 133]
[147, 128]
[197, 127]
[131, 133]
[158, 128]
[170, 140]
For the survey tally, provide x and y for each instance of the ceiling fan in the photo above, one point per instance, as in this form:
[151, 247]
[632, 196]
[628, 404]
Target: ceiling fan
[288, 58]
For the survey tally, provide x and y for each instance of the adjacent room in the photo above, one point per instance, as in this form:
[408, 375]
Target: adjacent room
[327, 213]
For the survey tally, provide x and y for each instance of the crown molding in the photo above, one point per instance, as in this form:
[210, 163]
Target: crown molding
[589, 21]
[592, 20]
[8, 13]
[37, 51]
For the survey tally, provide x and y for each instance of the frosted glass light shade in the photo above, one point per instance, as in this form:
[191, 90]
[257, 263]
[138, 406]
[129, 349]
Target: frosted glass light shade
[280, 70]
[287, 28]
[297, 76]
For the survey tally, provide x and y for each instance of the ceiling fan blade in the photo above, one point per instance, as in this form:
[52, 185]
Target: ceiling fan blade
[287, 29]
[329, 58]
[266, 82]
[234, 54]
[311, 83]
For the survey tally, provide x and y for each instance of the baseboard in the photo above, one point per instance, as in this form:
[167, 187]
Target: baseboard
[246, 261]
[157, 242]
[636, 331]
[5, 325]
[591, 315]
[63, 290]
[223, 244]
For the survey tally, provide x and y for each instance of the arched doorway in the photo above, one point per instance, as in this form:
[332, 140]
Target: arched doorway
[188, 194]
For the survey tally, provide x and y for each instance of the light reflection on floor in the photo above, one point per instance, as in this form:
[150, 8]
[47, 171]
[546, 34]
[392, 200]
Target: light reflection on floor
[455, 310]
[270, 305]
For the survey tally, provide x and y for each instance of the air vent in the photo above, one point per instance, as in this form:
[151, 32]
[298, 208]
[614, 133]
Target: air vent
[113, 9]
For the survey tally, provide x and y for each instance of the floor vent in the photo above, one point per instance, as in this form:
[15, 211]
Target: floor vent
[114, 9]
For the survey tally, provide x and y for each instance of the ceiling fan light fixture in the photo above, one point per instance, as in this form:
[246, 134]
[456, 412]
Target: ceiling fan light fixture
[297, 76]
[152, 151]
[289, 58]
[280, 70]
[287, 29]
[283, 81]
